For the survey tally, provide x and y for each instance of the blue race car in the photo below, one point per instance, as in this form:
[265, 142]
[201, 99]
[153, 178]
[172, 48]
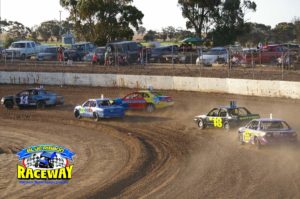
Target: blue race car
[35, 97]
[99, 108]
[45, 160]
[266, 131]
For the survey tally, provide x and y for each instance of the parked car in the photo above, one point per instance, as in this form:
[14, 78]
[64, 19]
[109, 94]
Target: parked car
[214, 55]
[100, 51]
[225, 117]
[99, 108]
[79, 50]
[266, 131]
[35, 97]
[23, 49]
[49, 54]
[164, 53]
[128, 51]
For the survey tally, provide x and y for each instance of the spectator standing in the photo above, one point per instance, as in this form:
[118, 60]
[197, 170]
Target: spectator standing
[60, 53]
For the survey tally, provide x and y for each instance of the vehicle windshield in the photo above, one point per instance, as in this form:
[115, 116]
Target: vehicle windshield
[18, 45]
[274, 125]
[104, 103]
[157, 94]
[50, 50]
[215, 52]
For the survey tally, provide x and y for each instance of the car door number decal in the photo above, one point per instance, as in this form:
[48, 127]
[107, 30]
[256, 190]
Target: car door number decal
[217, 121]
[247, 135]
[24, 99]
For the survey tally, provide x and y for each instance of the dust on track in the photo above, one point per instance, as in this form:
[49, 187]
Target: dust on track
[159, 155]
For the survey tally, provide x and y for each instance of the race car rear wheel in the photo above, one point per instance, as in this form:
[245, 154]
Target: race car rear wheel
[77, 114]
[150, 108]
[40, 105]
[8, 104]
[257, 143]
[201, 124]
[96, 117]
[226, 126]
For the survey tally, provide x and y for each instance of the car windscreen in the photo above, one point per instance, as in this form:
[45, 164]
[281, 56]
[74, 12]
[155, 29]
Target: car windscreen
[104, 103]
[238, 112]
[50, 50]
[274, 125]
[216, 52]
[18, 45]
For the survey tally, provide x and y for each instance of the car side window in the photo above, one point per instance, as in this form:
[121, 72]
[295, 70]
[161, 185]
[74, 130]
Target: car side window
[213, 113]
[223, 113]
[254, 125]
[92, 104]
[24, 93]
[145, 95]
[131, 96]
[86, 104]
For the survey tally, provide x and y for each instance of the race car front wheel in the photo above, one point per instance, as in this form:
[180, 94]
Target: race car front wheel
[226, 126]
[77, 115]
[201, 124]
[8, 104]
[257, 143]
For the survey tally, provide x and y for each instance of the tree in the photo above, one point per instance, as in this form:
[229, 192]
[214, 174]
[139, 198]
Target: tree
[49, 29]
[101, 21]
[141, 30]
[198, 13]
[297, 30]
[254, 34]
[284, 32]
[150, 35]
[229, 20]
[168, 32]
[17, 30]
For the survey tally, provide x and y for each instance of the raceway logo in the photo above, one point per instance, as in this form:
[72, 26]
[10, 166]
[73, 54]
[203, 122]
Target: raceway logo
[45, 162]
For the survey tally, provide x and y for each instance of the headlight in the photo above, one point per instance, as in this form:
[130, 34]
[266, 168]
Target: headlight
[2, 100]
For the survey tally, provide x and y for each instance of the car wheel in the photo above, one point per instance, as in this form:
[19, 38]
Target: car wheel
[201, 124]
[226, 126]
[23, 56]
[240, 139]
[77, 114]
[150, 108]
[8, 104]
[96, 117]
[40, 105]
[257, 143]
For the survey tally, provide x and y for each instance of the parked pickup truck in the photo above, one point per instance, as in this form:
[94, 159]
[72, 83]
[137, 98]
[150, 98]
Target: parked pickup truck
[23, 50]
[35, 97]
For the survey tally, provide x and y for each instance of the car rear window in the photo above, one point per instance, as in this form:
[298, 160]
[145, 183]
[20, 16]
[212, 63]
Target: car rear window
[273, 125]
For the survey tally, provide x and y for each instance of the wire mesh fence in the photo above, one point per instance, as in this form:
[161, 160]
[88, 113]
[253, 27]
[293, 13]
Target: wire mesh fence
[249, 63]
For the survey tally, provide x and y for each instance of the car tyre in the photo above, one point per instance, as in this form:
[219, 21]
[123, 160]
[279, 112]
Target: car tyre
[257, 143]
[23, 56]
[226, 126]
[240, 139]
[96, 117]
[8, 104]
[77, 114]
[150, 108]
[40, 105]
[201, 124]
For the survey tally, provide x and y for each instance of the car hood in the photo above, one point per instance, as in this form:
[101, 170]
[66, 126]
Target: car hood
[46, 54]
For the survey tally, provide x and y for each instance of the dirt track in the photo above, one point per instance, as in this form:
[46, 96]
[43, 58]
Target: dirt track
[159, 155]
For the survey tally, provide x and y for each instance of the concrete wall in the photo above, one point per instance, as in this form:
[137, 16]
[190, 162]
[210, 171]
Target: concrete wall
[216, 85]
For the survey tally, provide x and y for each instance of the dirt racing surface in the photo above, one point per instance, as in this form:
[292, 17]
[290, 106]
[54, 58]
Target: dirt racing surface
[157, 155]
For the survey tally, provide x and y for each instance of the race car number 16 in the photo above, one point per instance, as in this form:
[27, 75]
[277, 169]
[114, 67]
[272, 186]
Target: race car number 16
[217, 121]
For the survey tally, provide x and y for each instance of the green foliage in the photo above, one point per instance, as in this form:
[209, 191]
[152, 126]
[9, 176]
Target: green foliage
[284, 32]
[102, 21]
[7, 41]
[150, 35]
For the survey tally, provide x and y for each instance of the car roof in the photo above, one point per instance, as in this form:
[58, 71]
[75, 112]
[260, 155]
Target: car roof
[218, 48]
[23, 41]
[100, 99]
[269, 120]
